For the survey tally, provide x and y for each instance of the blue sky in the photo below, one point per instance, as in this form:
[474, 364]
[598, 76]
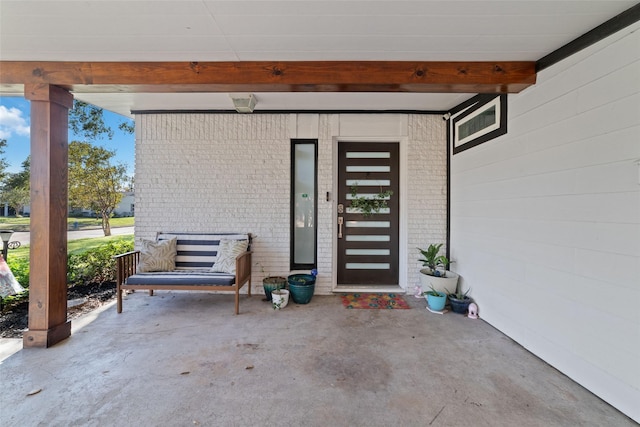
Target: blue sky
[14, 127]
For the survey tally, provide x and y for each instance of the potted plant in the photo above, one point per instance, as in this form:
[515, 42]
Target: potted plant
[436, 274]
[369, 205]
[271, 283]
[280, 298]
[302, 287]
[460, 301]
[435, 299]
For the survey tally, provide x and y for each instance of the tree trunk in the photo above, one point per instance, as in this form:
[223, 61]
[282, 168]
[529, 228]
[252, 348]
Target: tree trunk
[106, 227]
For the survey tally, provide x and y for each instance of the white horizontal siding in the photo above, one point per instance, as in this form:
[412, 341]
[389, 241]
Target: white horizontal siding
[546, 220]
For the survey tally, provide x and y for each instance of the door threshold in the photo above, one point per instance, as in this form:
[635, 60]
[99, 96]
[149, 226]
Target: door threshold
[396, 289]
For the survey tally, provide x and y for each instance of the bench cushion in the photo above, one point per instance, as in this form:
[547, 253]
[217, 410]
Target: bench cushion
[181, 278]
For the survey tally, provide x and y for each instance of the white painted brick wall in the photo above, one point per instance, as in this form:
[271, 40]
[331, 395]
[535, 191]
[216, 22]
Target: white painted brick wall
[231, 172]
[546, 220]
[427, 188]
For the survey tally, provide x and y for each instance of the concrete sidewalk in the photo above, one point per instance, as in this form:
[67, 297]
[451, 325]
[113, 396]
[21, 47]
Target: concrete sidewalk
[24, 236]
[184, 359]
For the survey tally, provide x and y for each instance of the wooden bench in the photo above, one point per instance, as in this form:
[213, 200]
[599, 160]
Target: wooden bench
[196, 253]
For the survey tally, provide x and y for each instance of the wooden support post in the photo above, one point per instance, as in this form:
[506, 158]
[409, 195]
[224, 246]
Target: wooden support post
[48, 322]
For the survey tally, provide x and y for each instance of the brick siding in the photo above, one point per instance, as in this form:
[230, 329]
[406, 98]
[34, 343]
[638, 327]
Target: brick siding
[231, 172]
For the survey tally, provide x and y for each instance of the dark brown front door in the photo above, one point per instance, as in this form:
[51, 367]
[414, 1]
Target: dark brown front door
[368, 244]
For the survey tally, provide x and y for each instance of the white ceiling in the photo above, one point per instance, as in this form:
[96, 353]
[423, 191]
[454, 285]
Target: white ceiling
[211, 30]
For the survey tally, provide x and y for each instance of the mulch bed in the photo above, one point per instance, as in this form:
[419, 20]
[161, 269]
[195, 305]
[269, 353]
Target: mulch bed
[14, 320]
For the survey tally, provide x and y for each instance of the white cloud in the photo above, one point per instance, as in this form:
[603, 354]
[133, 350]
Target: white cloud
[12, 122]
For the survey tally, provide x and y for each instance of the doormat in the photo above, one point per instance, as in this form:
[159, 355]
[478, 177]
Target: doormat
[374, 301]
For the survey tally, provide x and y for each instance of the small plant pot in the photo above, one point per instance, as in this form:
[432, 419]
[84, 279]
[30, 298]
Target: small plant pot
[436, 302]
[272, 283]
[279, 299]
[460, 306]
[302, 287]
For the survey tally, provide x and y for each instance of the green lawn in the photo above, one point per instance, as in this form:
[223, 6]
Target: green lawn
[74, 246]
[84, 223]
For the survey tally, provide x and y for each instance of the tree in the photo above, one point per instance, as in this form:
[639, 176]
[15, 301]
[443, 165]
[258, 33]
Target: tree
[16, 190]
[94, 183]
[3, 161]
[87, 120]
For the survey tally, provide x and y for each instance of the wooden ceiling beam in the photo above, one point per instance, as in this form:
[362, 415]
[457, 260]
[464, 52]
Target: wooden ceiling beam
[270, 76]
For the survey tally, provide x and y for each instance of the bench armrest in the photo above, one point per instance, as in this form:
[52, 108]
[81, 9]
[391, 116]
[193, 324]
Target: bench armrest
[243, 269]
[126, 265]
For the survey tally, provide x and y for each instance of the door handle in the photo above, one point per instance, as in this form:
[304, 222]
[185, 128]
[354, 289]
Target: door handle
[340, 222]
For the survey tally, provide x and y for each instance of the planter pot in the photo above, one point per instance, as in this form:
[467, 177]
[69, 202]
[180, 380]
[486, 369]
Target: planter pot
[272, 283]
[460, 305]
[279, 298]
[302, 287]
[436, 303]
[447, 284]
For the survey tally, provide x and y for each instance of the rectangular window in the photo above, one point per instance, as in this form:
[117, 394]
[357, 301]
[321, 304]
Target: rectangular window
[481, 121]
[304, 198]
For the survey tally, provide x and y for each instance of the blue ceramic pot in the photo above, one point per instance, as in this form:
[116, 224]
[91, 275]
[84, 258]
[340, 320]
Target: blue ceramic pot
[460, 306]
[301, 287]
[437, 303]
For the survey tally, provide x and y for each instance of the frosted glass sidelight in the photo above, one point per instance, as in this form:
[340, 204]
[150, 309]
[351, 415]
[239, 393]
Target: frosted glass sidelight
[304, 209]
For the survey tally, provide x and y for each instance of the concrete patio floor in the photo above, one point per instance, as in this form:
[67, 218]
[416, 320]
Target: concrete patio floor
[184, 359]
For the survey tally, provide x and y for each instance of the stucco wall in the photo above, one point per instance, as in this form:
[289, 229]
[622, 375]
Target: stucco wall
[231, 172]
[546, 220]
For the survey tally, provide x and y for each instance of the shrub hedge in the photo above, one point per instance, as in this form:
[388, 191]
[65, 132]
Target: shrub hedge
[94, 266]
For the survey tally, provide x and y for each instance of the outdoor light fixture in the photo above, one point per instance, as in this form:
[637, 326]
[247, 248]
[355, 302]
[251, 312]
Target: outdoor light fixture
[243, 102]
[6, 236]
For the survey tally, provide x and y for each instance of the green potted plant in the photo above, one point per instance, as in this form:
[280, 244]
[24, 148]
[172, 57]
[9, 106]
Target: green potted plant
[271, 283]
[369, 205]
[280, 298]
[302, 287]
[436, 300]
[435, 272]
[460, 301]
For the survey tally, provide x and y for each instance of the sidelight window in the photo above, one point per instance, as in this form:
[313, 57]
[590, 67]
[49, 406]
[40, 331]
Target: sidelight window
[304, 162]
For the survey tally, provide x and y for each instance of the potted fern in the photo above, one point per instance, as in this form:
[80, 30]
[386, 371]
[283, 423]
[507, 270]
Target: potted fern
[435, 272]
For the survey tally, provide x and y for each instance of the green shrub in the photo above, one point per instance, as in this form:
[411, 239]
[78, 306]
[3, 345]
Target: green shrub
[20, 269]
[97, 265]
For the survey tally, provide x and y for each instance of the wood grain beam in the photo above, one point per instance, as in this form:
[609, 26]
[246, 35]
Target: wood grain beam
[263, 76]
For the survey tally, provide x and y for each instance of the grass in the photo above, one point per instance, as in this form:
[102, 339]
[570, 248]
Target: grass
[84, 223]
[73, 246]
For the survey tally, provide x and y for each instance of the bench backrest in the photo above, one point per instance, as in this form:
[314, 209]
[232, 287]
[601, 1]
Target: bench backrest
[199, 251]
